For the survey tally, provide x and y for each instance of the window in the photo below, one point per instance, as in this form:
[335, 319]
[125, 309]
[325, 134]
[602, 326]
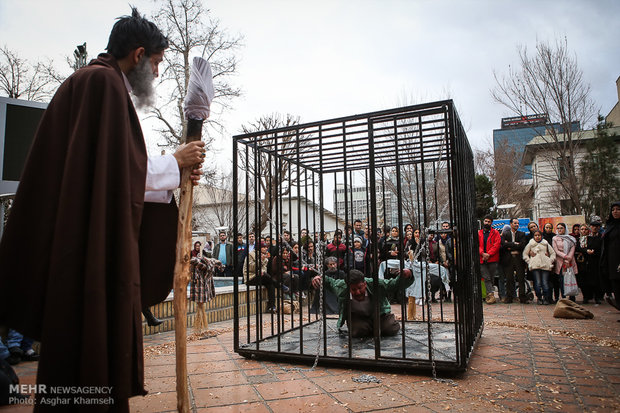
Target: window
[563, 167]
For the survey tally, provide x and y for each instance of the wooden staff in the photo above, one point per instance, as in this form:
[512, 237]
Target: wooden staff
[182, 271]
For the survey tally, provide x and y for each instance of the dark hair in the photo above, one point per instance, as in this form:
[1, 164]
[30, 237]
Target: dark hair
[222, 232]
[357, 220]
[197, 242]
[561, 224]
[131, 32]
[514, 219]
[354, 277]
[488, 217]
[539, 232]
[239, 234]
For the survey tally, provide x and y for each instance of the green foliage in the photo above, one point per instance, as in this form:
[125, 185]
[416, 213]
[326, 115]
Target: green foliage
[484, 196]
[599, 171]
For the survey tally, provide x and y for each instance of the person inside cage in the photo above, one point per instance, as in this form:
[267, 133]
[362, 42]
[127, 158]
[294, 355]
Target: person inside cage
[331, 300]
[355, 293]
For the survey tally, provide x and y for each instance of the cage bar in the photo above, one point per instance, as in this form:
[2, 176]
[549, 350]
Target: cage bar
[415, 166]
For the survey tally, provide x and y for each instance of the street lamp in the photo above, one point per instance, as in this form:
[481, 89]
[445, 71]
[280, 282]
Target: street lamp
[506, 208]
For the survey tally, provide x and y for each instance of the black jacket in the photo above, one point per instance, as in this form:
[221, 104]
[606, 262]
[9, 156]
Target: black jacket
[508, 246]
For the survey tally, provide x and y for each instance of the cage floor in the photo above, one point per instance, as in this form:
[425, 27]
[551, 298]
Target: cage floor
[416, 342]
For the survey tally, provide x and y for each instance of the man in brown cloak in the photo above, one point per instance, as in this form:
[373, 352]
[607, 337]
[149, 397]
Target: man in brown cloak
[103, 253]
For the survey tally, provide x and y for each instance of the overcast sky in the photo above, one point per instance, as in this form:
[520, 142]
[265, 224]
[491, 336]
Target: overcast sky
[323, 59]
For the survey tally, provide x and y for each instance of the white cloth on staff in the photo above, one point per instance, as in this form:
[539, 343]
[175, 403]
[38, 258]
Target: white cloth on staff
[418, 268]
[200, 90]
[162, 177]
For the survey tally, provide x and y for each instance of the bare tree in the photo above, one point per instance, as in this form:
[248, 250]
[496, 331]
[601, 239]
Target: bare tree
[551, 82]
[192, 31]
[20, 79]
[274, 178]
[213, 204]
[483, 162]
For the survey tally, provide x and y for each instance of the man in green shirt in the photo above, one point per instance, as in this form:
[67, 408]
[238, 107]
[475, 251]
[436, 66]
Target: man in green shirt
[357, 292]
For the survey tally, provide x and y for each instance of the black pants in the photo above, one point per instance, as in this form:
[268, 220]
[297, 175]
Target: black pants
[615, 287]
[267, 282]
[363, 327]
[511, 265]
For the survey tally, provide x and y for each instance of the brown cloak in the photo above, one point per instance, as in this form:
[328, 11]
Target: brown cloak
[77, 236]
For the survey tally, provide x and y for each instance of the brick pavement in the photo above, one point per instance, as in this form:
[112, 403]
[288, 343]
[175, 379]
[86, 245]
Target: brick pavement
[525, 361]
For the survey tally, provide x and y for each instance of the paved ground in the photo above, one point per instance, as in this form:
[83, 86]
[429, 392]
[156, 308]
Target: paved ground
[525, 361]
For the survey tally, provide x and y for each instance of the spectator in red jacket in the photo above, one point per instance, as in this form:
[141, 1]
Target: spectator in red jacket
[337, 249]
[489, 242]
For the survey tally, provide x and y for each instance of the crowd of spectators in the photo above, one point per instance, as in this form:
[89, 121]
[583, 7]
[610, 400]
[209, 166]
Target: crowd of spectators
[515, 266]
[549, 260]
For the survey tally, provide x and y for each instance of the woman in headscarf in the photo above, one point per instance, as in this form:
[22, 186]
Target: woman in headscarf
[564, 247]
[412, 244]
[580, 258]
[196, 250]
[610, 257]
[548, 233]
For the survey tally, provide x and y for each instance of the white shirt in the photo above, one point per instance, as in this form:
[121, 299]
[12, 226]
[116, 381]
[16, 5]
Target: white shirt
[162, 173]
[162, 177]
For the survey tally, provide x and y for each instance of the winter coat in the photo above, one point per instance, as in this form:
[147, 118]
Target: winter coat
[493, 245]
[561, 255]
[391, 244]
[610, 255]
[540, 261]
[337, 250]
[249, 267]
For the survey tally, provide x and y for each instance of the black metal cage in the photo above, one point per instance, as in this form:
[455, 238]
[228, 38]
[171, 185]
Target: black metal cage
[410, 165]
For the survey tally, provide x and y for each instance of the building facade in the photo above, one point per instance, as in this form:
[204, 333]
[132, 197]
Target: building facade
[547, 172]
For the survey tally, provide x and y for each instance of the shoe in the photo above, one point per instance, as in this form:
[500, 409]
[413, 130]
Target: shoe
[585, 302]
[540, 301]
[30, 355]
[151, 320]
[507, 300]
[611, 301]
[545, 301]
[490, 299]
[272, 310]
